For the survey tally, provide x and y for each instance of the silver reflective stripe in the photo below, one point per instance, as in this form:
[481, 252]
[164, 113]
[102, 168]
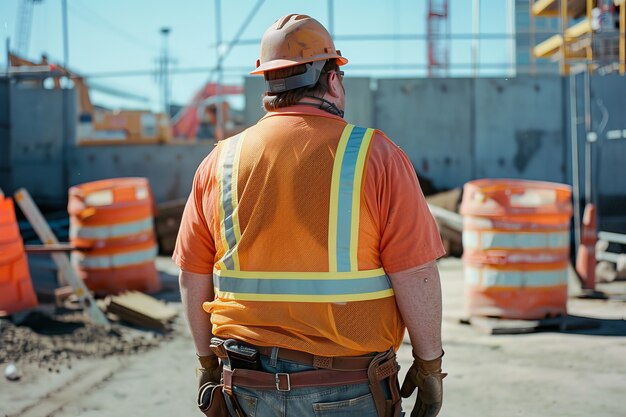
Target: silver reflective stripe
[116, 261]
[315, 286]
[116, 230]
[519, 240]
[472, 276]
[523, 279]
[470, 239]
[228, 200]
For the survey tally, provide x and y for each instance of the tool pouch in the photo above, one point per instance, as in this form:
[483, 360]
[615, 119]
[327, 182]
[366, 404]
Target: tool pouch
[385, 367]
[241, 355]
[211, 400]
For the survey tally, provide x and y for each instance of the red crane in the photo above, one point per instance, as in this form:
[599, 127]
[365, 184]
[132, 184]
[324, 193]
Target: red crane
[185, 123]
[438, 31]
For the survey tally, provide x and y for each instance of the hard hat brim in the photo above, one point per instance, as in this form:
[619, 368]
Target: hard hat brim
[286, 63]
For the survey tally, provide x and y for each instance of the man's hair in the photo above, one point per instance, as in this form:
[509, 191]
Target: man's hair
[291, 97]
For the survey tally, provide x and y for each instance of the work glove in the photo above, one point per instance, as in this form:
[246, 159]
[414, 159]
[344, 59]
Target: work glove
[210, 370]
[210, 398]
[427, 377]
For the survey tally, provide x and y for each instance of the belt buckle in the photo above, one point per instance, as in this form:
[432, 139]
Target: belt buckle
[279, 381]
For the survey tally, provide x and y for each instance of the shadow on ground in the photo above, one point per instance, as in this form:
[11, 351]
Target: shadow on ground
[593, 326]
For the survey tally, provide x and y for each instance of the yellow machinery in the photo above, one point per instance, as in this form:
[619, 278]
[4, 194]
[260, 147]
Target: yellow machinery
[586, 38]
[97, 126]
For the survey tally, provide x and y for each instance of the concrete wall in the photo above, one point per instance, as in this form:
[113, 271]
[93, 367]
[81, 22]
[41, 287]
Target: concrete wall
[431, 120]
[254, 91]
[169, 168]
[519, 128]
[455, 130]
[39, 144]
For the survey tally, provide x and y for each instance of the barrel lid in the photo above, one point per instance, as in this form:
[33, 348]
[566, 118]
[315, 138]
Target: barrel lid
[505, 197]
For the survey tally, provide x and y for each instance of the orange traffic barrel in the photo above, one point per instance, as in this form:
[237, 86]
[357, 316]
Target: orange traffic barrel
[16, 287]
[516, 237]
[111, 224]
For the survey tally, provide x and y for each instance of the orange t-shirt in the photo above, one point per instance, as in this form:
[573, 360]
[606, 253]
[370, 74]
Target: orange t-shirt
[283, 193]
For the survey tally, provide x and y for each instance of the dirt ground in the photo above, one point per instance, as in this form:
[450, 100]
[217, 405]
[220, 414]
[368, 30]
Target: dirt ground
[68, 368]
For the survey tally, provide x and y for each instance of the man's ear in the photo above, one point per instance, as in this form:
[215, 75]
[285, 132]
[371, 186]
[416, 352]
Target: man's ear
[333, 84]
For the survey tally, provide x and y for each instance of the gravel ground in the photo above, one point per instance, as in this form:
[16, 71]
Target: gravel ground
[53, 341]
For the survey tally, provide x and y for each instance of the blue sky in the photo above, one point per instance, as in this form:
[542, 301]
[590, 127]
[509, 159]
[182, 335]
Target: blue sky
[123, 36]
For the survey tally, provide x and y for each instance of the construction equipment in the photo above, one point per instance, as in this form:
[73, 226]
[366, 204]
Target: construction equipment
[98, 126]
[36, 219]
[204, 105]
[438, 25]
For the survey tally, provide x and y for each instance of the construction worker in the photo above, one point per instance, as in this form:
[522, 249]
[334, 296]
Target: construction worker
[305, 248]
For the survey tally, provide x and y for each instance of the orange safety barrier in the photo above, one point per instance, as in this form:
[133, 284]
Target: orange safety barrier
[586, 256]
[111, 222]
[16, 287]
[516, 238]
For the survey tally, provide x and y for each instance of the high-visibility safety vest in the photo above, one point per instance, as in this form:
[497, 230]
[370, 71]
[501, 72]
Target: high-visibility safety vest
[343, 281]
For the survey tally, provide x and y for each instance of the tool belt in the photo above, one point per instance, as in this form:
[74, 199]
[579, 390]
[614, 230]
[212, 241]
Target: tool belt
[245, 371]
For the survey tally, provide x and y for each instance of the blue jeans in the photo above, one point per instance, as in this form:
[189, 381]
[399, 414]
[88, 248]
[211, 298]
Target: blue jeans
[338, 401]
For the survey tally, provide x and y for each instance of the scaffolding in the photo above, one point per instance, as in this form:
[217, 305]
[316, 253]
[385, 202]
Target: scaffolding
[590, 38]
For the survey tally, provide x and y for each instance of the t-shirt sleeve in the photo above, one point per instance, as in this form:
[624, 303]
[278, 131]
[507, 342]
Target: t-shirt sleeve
[409, 233]
[195, 246]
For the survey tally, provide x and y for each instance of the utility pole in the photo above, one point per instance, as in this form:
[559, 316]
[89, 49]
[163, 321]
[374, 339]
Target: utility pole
[476, 37]
[164, 69]
[65, 113]
[331, 18]
[66, 38]
[219, 115]
[510, 32]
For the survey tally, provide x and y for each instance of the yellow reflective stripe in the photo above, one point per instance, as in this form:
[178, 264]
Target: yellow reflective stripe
[334, 198]
[356, 199]
[220, 174]
[305, 298]
[235, 199]
[301, 275]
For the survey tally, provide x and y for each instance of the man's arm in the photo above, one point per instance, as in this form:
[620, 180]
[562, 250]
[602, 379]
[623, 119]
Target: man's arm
[418, 295]
[195, 289]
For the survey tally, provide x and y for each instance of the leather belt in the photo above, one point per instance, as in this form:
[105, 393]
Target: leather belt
[285, 382]
[338, 363]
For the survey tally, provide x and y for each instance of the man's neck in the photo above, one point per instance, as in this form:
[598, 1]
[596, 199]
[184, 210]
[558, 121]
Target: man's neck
[322, 103]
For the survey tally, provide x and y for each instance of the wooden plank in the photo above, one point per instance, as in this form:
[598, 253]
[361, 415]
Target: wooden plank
[41, 227]
[141, 309]
[448, 218]
[612, 237]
